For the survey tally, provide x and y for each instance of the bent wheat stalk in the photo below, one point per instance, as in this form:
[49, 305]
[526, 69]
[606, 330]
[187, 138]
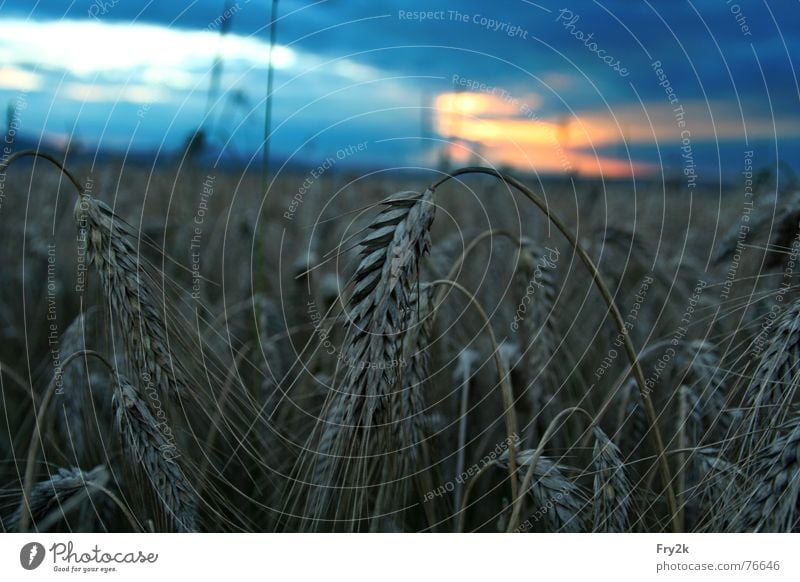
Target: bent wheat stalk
[129, 289]
[358, 420]
[533, 458]
[127, 284]
[45, 156]
[506, 391]
[630, 351]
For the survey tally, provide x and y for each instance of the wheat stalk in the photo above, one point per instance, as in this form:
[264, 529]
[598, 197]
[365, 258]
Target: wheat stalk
[379, 313]
[556, 497]
[630, 351]
[130, 290]
[462, 377]
[506, 392]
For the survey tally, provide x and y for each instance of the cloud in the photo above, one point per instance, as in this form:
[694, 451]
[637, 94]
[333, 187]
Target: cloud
[510, 131]
[369, 73]
[89, 93]
[513, 132]
[16, 79]
[86, 47]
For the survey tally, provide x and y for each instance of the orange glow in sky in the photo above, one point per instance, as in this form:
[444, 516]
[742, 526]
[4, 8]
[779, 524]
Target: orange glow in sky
[509, 132]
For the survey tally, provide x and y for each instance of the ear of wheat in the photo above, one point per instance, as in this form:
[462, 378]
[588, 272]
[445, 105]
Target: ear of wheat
[402, 438]
[771, 500]
[714, 482]
[559, 501]
[130, 291]
[72, 399]
[150, 448]
[631, 419]
[775, 381]
[612, 489]
[782, 231]
[408, 402]
[357, 414]
[57, 495]
[706, 394]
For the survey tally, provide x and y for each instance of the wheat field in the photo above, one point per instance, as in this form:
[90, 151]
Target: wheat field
[397, 352]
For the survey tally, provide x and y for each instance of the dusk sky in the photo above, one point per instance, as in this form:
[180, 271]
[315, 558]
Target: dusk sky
[613, 87]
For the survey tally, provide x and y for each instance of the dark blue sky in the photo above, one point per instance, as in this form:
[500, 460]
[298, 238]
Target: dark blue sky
[544, 86]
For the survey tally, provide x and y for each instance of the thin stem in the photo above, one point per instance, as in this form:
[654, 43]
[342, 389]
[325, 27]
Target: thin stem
[470, 484]
[124, 508]
[44, 155]
[273, 31]
[505, 386]
[683, 407]
[658, 442]
[218, 418]
[466, 376]
[459, 264]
